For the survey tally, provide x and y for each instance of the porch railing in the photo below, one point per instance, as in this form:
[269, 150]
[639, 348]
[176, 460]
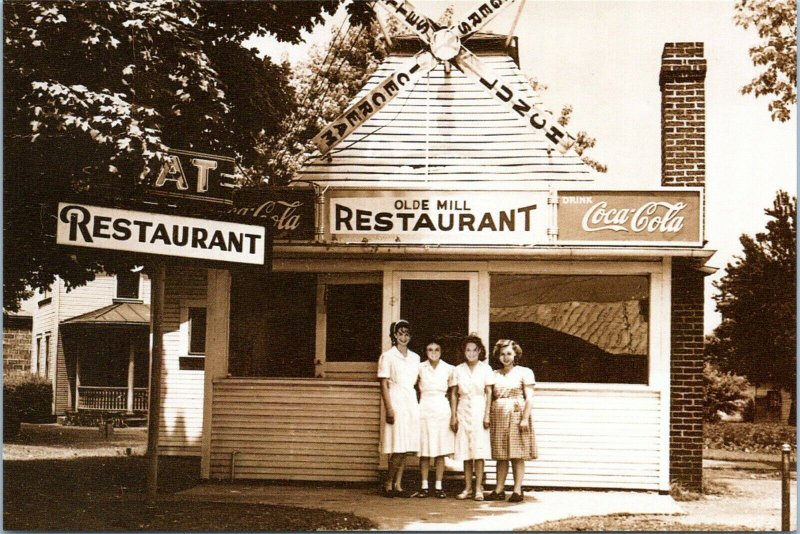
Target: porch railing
[110, 398]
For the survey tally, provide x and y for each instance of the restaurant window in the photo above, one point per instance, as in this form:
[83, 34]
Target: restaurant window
[128, 285]
[353, 319]
[273, 322]
[575, 328]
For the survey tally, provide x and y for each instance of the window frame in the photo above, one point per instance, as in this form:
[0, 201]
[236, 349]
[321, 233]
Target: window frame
[321, 366]
[576, 277]
[659, 317]
[137, 298]
[185, 333]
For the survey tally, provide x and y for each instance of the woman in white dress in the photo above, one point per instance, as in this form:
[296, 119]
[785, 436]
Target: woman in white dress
[470, 401]
[398, 370]
[437, 439]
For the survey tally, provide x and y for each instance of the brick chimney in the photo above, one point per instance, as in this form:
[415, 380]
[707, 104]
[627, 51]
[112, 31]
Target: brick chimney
[683, 163]
[683, 115]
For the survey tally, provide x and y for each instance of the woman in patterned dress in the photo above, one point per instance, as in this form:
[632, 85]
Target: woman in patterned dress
[436, 437]
[398, 370]
[470, 401]
[511, 422]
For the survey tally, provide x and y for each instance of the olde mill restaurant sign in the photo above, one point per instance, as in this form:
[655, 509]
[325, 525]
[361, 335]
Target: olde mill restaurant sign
[666, 217]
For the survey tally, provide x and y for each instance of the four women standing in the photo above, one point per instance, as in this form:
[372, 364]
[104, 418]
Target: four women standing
[471, 427]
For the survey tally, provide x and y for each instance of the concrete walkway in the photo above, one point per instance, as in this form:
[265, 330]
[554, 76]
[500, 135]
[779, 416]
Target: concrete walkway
[441, 514]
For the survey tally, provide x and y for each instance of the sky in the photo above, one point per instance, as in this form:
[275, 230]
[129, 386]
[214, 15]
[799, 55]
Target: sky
[603, 58]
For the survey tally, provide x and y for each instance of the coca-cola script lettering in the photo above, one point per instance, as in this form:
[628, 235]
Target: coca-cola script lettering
[283, 214]
[289, 211]
[650, 217]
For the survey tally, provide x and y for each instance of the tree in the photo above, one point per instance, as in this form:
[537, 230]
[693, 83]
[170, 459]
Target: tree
[757, 301]
[724, 392]
[96, 91]
[776, 23]
[324, 84]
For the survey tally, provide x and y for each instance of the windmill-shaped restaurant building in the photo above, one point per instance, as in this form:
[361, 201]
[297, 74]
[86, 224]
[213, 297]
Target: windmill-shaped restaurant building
[445, 196]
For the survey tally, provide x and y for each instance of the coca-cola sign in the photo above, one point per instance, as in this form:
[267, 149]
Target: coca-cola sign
[667, 216]
[288, 211]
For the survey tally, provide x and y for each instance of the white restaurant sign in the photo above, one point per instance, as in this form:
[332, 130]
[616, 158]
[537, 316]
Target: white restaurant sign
[661, 217]
[155, 233]
[447, 217]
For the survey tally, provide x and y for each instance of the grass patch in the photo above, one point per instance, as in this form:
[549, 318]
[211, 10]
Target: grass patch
[748, 437]
[108, 494]
[629, 522]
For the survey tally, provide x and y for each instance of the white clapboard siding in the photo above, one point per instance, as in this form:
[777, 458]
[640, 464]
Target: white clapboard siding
[287, 429]
[328, 430]
[595, 438]
[351, 371]
[181, 421]
[446, 128]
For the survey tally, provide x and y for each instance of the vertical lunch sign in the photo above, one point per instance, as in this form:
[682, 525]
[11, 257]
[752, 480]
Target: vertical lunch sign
[664, 217]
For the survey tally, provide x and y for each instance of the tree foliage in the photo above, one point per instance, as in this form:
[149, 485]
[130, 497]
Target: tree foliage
[776, 52]
[724, 392]
[96, 91]
[323, 84]
[757, 301]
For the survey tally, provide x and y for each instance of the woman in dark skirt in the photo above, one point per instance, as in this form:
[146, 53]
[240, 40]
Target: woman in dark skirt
[511, 426]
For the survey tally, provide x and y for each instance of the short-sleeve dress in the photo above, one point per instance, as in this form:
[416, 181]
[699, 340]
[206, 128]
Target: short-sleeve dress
[472, 440]
[509, 442]
[402, 372]
[436, 437]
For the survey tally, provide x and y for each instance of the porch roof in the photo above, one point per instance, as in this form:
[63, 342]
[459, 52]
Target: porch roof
[116, 314]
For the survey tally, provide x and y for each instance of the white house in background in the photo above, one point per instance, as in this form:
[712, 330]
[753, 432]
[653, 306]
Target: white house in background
[92, 342]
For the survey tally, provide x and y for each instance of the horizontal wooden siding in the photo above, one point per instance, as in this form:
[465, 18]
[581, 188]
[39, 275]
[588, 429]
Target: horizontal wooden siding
[327, 430]
[296, 429]
[181, 421]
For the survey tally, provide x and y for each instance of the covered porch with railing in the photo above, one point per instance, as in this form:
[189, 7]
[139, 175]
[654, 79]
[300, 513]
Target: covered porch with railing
[107, 357]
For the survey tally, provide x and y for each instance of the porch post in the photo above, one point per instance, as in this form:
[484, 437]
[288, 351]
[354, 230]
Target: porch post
[77, 377]
[131, 358]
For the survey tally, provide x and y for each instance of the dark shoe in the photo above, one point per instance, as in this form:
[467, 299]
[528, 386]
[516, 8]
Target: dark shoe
[422, 494]
[494, 496]
[440, 494]
[388, 493]
[515, 497]
[404, 494]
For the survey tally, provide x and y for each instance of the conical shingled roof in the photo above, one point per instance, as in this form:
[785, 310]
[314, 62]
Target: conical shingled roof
[447, 131]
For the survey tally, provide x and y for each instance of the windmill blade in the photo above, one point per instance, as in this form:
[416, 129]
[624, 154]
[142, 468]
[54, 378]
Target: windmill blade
[411, 17]
[358, 113]
[540, 120]
[480, 17]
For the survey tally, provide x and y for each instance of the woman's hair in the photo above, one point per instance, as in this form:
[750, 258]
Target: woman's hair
[474, 338]
[394, 327]
[503, 343]
[433, 342]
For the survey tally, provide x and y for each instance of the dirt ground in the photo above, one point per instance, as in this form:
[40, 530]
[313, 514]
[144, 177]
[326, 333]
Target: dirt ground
[73, 479]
